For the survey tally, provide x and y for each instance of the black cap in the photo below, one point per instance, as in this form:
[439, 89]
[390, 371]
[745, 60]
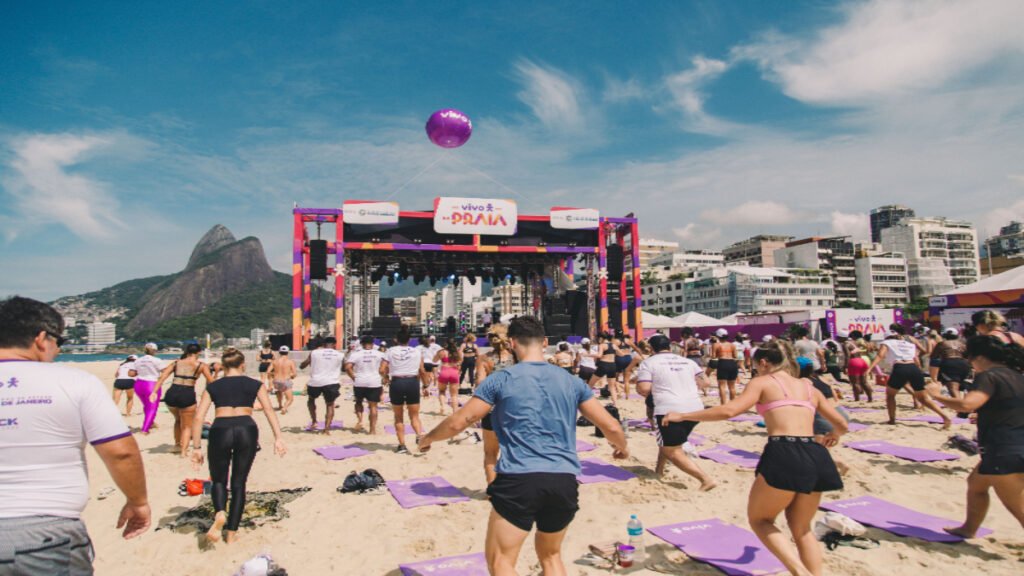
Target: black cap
[660, 343]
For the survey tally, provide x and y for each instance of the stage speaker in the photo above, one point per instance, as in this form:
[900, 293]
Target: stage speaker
[557, 325]
[318, 259]
[614, 314]
[387, 306]
[576, 303]
[614, 260]
[278, 340]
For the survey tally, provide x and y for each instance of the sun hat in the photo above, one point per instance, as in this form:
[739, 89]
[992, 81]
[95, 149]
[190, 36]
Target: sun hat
[951, 332]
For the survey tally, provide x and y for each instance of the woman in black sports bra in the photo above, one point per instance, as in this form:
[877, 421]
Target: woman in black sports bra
[469, 353]
[234, 440]
[181, 396]
[606, 368]
[266, 358]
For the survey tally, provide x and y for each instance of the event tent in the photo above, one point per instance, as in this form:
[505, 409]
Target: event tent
[1009, 280]
[655, 322]
[696, 320]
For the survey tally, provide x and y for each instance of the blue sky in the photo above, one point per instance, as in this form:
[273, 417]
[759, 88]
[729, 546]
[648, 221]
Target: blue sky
[127, 131]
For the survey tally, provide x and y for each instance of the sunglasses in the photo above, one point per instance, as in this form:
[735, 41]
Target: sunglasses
[60, 339]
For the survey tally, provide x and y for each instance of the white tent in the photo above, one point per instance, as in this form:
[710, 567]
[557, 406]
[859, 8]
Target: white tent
[731, 319]
[696, 320]
[1010, 280]
[655, 322]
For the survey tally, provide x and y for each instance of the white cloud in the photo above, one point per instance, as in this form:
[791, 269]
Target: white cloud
[753, 213]
[552, 95]
[887, 49]
[693, 236]
[45, 190]
[686, 88]
[857, 226]
[999, 217]
[618, 91]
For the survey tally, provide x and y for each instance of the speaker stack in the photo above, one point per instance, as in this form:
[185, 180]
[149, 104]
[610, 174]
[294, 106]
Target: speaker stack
[387, 306]
[318, 259]
[385, 326]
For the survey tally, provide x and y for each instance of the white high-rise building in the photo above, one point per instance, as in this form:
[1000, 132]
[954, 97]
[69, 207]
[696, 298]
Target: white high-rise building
[509, 299]
[651, 249]
[668, 297]
[720, 292]
[882, 280]
[100, 335]
[683, 263]
[834, 255]
[941, 254]
[354, 306]
[257, 336]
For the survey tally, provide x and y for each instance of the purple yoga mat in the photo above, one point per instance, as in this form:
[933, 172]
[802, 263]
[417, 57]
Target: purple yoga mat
[340, 452]
[856, 426]
[745, 418]
[638, 423]
[731, 549]
[582, 446]
[335, 425]
[595, 470]
[904, 452]
[724, 454]
[389, 429]
[434, 490]
[465, 565]
[933, 418]
[696, 439]
[897, 519]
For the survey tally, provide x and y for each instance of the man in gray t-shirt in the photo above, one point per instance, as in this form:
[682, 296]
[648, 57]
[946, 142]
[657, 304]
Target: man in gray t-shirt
[533, 408]
[807, 348]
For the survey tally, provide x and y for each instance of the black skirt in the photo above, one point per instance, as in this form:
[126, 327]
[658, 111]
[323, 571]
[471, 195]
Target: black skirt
[798, 464]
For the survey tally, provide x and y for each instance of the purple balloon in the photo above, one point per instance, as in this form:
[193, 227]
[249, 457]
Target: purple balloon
[449, 128]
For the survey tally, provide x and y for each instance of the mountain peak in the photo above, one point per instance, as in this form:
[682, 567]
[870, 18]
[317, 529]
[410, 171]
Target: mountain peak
[217, 237]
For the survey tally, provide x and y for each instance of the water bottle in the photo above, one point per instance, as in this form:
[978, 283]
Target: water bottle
[635, 528]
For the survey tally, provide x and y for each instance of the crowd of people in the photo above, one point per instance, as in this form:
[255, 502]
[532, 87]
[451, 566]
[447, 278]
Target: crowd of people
[525, 395]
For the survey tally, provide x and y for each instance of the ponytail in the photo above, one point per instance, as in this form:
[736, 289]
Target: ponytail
[779, 353]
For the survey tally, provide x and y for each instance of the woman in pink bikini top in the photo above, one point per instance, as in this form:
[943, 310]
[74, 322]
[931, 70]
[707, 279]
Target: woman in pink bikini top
[794, 469]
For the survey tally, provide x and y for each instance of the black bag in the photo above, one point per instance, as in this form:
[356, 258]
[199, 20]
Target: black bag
[582, 421]
[369, 479]
[614, 411]
[605, 392]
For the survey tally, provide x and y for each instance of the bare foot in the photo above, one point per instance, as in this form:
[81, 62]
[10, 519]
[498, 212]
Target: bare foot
[891, 422]
[960, 531]
[708, 486]
[946, 423]
[213, 534]
[230, 536]
[284, 411]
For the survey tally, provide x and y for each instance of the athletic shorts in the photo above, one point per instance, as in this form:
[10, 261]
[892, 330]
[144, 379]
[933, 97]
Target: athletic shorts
[179, 396]
[550, 500]
[428, 367]
[798, 464]
[45, 545]
[329, 392]
[1002, 460]
[728, 369]
[586, 373]
[448, 375]
[368, 394]
[713, 363]
[405, 390]
[264, 368]
[605, 369]
[903, 374]
[857, 367]
[623, 362]
[282, 385]
[954, 370]
[124, 384]
[674, 433]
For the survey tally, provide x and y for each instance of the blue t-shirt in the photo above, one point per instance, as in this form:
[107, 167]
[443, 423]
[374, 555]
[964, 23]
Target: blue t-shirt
[534, 416]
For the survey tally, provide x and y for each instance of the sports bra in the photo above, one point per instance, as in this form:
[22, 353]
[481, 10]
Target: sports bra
[609, 349]
[469, 349]
[265, 358]
[234, 391]
[446, 359]
[787, 401]
[193, 377]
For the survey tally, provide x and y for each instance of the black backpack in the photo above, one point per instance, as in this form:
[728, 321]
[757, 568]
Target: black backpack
[368, 480]
[614, 411]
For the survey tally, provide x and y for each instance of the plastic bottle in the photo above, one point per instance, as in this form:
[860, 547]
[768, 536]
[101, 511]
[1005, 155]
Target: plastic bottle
[635, 528]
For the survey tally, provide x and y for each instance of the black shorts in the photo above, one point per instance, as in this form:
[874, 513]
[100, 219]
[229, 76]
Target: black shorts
[550, 500]
[728, 369]
[368, 394]
[486, 423]
[903, 374]
[587, 373]
[605, 369]
[428, 367]
[124, 384]
[264, 368]
[179, 396]
[953, 370]
[713, 363]
[798, 464]
[405, 390]
[674, 433]
[1001, 462]
[623, 362]
[329, 392]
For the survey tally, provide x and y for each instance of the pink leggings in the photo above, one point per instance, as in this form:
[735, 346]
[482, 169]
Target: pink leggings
[143, 389]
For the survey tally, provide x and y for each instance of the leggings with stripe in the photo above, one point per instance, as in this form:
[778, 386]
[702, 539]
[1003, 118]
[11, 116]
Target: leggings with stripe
[233, 444]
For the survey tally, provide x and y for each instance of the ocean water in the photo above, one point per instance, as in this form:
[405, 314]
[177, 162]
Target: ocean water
[105, 357]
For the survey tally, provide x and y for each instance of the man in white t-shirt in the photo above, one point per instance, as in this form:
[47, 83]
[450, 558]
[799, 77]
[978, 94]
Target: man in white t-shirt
[47, 413]
[325, 365]
[674, 381]
[428, 349]
[363, 367]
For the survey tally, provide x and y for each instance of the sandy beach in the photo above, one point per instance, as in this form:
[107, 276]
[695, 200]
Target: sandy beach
[332, 533]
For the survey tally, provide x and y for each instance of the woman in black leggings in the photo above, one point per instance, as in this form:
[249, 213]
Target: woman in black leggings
[234, 440]
[469, 352]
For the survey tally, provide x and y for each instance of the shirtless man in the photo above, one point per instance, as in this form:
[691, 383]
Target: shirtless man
[282, 372]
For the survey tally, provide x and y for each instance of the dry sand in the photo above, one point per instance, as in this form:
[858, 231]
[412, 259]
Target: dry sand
[331, 533]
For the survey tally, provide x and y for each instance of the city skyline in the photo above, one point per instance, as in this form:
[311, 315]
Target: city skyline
[119, 147]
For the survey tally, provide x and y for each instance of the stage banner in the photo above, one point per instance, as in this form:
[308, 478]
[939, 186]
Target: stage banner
[575, 218]
[370, 212]
[874, 322]
[475, 216]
